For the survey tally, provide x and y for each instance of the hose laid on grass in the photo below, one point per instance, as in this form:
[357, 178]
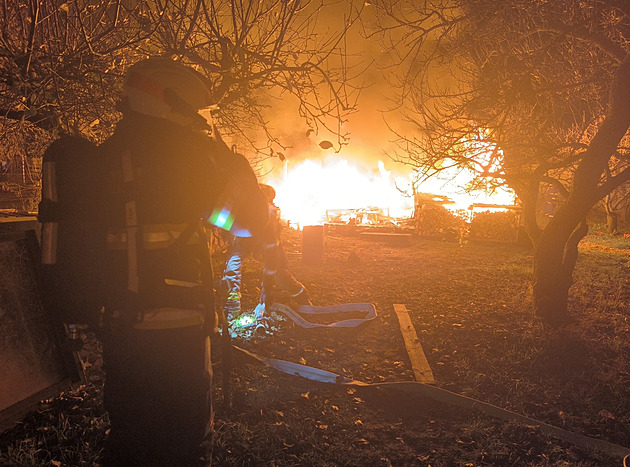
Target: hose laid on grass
[367, 308]
[447, 397]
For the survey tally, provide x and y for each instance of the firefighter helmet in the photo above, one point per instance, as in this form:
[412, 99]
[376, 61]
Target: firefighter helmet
[166, 89]
[268, 191]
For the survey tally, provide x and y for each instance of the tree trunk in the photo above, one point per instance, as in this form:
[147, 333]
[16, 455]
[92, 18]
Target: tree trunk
[551, 280]
[612, 222]
[555, 255]
[556, 249]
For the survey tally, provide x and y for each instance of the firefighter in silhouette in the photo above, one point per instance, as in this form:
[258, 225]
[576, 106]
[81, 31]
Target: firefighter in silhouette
[276, 273]
[169, 176]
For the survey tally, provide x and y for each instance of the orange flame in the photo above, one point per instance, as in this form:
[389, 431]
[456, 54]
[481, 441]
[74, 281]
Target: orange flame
[305, 191]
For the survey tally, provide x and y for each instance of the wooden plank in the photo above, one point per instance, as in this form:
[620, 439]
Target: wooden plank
[419, 363]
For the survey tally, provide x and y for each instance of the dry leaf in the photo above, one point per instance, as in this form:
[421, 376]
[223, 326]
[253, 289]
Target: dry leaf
[606, 414]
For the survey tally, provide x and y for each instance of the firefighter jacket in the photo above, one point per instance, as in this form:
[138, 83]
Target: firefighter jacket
[166, 183]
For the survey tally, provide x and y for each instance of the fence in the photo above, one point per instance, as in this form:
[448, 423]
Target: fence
[33, 361]
[20, 184]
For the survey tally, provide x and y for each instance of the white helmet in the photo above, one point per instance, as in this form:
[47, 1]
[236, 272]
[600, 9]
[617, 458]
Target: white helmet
[166, 89]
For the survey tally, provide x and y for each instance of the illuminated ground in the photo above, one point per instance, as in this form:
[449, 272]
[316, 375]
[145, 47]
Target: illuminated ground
[470, 308]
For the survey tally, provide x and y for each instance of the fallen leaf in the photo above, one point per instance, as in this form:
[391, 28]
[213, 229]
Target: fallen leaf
[606, 414]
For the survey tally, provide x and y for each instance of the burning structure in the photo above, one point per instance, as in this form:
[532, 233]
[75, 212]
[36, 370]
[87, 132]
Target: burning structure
[350, 197]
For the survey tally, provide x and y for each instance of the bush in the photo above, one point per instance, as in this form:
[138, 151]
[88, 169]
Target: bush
[439, 221]
[498, 226]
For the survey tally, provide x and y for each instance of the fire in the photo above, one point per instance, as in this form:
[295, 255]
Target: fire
[306, 190]
[453, 183]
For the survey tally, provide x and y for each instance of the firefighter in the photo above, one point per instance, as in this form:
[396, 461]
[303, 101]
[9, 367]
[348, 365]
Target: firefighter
[276, 273]
[169, 177]
[239, 249]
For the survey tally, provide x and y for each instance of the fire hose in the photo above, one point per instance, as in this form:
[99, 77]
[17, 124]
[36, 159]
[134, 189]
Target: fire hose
[295, 316]
[444, 396]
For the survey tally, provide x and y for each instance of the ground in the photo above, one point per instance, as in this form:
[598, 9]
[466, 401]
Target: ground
[471, 308]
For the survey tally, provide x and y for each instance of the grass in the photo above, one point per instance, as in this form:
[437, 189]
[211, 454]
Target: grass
[471, 307]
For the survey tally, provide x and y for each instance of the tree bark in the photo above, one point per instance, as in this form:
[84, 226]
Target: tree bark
[555, 256]
[612, 222]
[556, 249]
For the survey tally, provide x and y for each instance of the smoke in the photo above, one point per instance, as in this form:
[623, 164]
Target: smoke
[367, 138]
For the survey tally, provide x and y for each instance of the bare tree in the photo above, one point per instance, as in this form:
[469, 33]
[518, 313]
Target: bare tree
[259, 55]
[62, 62]
[618, 201]
[60, 67]
[527, 93]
